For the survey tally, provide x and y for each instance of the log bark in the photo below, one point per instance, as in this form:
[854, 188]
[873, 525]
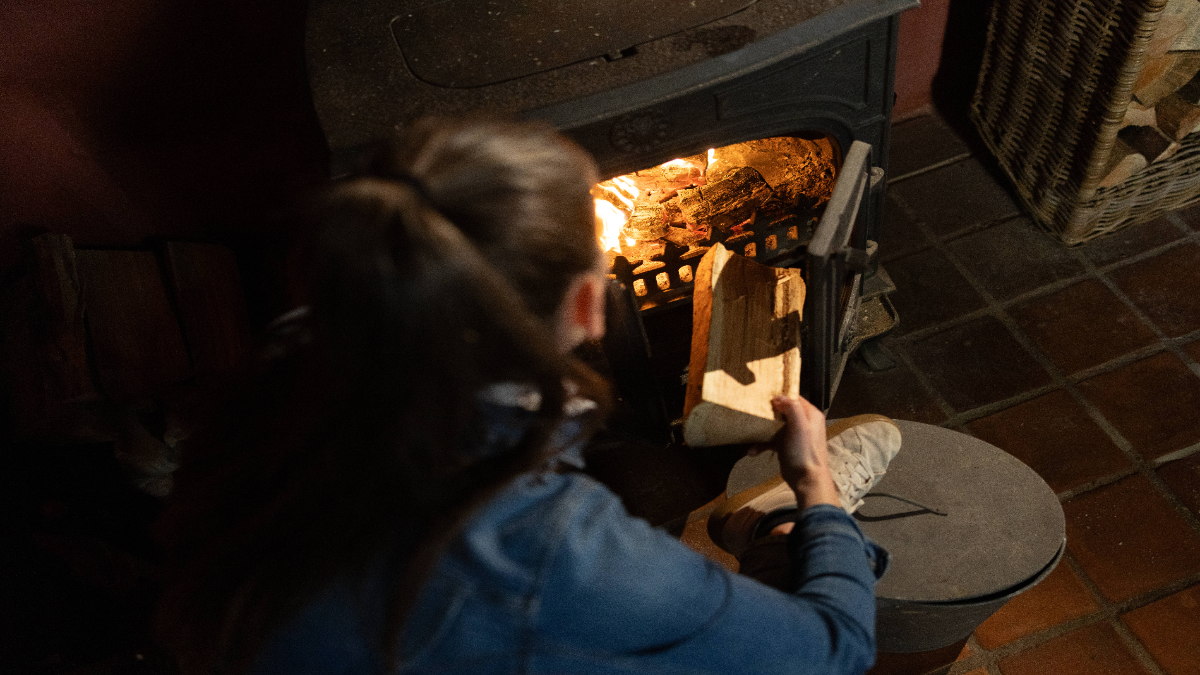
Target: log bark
[721, 205]
[745, 349]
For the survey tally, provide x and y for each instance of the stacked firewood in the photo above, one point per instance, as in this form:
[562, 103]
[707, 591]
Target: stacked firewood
[698, 200]
[1166, 97]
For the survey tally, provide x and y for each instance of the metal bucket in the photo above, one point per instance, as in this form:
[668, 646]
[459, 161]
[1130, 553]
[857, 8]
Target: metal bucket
[902, 626]
[968, 527]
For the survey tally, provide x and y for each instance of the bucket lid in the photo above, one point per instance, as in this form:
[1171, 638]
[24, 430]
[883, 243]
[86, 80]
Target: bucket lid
[1002, 526]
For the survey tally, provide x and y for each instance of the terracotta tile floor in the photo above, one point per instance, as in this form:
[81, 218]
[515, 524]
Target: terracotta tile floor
[1083, 363]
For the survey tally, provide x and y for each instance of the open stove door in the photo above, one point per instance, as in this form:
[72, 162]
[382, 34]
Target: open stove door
[833, 273]
[837, 262]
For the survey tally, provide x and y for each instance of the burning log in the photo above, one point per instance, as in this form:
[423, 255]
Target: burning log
[647, 222]
[745, 349]
[685, 172]
[800, 171]
[673, 216]
[684, 237]
[726, 203]
[642, 250]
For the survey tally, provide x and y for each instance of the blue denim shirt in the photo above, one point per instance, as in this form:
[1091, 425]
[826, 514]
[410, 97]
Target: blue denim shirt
[553, 576]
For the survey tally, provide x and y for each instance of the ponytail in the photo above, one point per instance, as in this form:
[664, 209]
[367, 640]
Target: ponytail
[429, 279]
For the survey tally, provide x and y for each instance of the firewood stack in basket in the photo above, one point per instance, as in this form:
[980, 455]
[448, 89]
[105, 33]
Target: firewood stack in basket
[1166, 97]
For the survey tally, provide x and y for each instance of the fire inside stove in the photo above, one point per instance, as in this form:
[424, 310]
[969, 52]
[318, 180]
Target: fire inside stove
[761, 198]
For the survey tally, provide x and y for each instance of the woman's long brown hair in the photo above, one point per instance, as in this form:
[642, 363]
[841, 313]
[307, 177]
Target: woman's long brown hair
[429, 278]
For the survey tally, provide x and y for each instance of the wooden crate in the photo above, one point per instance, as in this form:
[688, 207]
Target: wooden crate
[1056, 82]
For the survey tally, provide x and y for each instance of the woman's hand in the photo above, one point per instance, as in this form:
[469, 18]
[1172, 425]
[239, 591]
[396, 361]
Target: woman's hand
[803, 457]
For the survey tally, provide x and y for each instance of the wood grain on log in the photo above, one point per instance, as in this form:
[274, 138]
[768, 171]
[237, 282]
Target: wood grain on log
[745, 349]
[1138, 115]
[135, 338]
[1122, 163]
[1163, 74]
[727, 202]
[1176, 117]
[1176, 22]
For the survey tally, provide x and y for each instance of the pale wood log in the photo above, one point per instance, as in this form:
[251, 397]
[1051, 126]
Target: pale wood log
[135, 338]
[1176, 117]
[1138, 115]
[1189, 37]
[1176, 24]
[1122, 163]
[1163, 74]
[745, 349]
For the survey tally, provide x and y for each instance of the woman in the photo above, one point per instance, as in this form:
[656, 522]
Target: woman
[396, 488]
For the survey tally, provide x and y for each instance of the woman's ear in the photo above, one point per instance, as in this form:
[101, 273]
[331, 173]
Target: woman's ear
[581, 316]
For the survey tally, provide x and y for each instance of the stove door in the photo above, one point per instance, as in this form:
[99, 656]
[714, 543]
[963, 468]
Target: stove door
[834, 269]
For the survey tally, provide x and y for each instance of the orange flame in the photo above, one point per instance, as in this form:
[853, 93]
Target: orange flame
[618, 194]
[609, 221]
[626, 185]
[681, 163]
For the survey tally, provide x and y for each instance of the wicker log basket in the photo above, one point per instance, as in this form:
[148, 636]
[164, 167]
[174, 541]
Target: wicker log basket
[1056, 81]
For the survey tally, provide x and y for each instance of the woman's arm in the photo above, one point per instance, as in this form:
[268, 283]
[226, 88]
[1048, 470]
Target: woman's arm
[621, 596]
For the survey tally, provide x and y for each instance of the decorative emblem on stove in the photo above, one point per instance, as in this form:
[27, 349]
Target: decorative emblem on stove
[640, 132]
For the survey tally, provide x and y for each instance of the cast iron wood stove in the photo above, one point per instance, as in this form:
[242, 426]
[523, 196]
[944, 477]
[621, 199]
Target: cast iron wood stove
[639, 83]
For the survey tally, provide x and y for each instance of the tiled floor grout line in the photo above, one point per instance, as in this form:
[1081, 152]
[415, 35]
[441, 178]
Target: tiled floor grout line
[932, 167]
[1136, 647]
[1107, 611]
[1177, 455]
[997, 310]
[1040, 291]
[1059, 380]
[1179, 222]
[1067, 495]
[1144, 466]
[924, 381]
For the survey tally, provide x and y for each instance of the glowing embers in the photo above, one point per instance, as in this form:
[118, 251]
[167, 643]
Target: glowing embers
[760, 198]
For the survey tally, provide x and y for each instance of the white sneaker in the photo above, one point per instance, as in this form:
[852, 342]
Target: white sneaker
[860, 449]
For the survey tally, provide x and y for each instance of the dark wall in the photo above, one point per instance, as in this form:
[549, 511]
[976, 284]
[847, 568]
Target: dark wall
[124, 120]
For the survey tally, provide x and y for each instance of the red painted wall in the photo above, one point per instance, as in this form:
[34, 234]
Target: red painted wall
[127, 119]
[918, 54]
